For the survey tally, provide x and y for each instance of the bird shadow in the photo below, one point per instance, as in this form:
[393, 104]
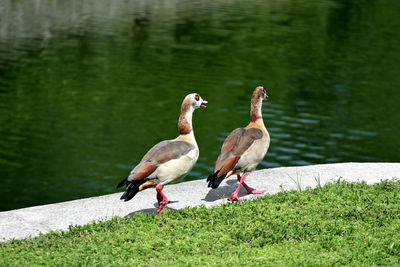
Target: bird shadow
[224, 191]
[151, 210]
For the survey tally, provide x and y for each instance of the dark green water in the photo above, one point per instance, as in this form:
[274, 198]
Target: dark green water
[87, 87]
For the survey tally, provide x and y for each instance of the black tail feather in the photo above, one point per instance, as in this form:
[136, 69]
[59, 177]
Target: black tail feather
[123, 182]
[131, 189]
[214, 181]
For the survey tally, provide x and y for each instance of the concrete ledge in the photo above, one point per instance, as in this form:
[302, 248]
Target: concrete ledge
[29, 222]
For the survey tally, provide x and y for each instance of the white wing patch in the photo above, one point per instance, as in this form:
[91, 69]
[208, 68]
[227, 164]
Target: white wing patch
[177, 168]
[192, 154]
[254, 155]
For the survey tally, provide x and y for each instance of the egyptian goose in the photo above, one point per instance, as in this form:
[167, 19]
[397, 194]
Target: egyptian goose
[243, 149]
[168, 160]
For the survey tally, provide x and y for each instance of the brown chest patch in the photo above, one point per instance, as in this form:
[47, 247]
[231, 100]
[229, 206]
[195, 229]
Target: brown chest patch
[184, 125]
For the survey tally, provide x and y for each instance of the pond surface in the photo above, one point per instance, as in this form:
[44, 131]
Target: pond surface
[87, 87]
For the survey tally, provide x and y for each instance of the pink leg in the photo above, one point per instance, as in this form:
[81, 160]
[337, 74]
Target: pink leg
[162, 199]
[234, 196]
[248, 188]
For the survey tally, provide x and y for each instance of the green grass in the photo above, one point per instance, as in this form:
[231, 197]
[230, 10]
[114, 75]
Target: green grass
[338, 224]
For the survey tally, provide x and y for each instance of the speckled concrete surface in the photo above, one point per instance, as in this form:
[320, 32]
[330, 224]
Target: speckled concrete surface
[29, 222]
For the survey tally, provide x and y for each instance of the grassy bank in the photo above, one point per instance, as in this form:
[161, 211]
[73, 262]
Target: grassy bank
[338, 224]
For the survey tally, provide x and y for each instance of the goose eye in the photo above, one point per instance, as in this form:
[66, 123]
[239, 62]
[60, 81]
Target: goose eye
[197, 97]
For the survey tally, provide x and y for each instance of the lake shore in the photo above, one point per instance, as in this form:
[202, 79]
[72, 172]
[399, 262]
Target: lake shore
[30, 222]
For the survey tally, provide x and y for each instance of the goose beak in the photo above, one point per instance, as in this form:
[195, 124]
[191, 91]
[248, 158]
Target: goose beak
[203, 104]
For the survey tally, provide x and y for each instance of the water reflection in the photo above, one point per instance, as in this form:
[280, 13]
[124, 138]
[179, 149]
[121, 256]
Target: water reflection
[86, 87]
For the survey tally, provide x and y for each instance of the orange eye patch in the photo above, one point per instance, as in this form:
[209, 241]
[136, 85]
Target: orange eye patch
[197, 97]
